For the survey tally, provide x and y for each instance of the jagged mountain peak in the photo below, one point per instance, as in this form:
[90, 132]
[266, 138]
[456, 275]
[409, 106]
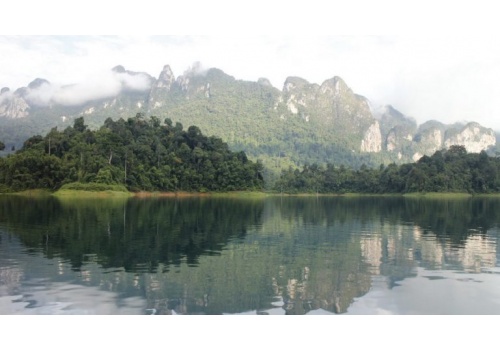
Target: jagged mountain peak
[292, 83]
[4, 90]
[335, 86]
[336, 80]
[166, 78]
[166, 73]
[35, 84]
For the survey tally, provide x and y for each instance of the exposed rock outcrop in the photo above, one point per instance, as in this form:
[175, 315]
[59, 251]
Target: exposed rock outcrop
[161, 87]
[299, 94]
[431, 140]
[372, 140]
[165, 80]
[14, 107]
[474, 137]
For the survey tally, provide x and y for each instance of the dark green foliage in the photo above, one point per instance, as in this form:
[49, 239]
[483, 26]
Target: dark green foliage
[446, 171]
[140, 154]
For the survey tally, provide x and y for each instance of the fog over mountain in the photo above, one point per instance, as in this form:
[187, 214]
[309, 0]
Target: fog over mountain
[106, 85]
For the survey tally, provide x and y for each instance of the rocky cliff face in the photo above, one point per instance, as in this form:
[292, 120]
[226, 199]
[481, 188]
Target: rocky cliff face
[13, 106]
[161, 87]
[397, 129]
[298, 95]
[429, 139]
[402, 137]
[473, 136]
[372, 140]
[334, 108]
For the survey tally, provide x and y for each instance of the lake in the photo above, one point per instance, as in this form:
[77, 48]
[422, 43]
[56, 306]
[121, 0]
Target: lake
[247, 256]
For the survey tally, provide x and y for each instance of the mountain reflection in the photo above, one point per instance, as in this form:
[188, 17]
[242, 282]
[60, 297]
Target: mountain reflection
[220, 255]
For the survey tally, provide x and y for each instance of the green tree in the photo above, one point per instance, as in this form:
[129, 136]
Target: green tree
[140, 153]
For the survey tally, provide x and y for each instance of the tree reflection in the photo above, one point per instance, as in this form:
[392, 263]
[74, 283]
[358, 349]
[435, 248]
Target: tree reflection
[136, 234]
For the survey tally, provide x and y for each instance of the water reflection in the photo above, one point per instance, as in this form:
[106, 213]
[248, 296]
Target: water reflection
[227, 256]
[136, 234]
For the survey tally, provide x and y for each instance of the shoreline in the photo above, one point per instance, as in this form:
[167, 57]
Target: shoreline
[65, 193]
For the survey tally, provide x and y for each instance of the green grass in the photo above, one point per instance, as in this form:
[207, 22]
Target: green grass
[91, 194]
[438, 195]
[93, 187]
[86, 190]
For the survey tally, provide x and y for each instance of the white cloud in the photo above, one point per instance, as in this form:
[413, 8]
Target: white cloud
[5, 95]
[139, 82]
[103, 85]
[42, 95]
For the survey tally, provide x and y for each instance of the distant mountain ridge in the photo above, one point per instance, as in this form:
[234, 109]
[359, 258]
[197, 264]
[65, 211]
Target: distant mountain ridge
[302, 123]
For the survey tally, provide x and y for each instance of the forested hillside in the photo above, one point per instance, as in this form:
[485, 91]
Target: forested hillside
[453, 170]
[303, 123]
[136, 154]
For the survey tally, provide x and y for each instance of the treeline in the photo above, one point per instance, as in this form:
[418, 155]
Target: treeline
[453, 170]
[136, 154]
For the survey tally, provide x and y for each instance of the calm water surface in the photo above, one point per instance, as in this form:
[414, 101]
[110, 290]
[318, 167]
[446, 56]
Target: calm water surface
[249, 256]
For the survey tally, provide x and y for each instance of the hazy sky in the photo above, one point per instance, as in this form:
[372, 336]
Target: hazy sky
[448, 75]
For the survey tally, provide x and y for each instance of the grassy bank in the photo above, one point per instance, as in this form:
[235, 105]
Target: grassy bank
[438, 195]
[92, 190]
[91, 194]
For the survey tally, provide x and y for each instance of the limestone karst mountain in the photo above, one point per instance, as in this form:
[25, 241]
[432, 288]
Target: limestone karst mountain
[302, 123]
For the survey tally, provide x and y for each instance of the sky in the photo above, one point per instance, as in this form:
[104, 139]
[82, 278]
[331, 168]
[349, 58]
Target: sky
[439, 62]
